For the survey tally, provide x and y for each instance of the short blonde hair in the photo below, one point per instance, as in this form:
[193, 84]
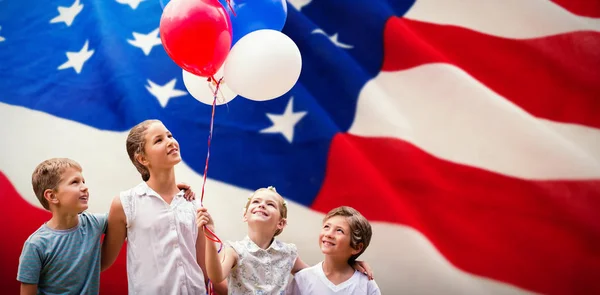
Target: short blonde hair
[136, 140]
[48, 174]
[282, 203]
[360, 228]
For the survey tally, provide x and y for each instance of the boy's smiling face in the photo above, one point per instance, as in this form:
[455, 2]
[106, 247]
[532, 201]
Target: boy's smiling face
[334, 239]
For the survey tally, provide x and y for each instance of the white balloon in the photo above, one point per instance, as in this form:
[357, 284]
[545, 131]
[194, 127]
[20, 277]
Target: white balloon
[202, 90]
[263, 65]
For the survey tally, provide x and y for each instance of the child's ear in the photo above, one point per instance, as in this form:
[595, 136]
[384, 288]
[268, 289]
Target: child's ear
[281, 224]
[50, 196]
[359, 248]
[141, 159]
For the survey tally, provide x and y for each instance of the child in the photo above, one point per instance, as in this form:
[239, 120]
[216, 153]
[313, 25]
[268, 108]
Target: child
[63, 255]
[345, 236]
[165, 253]
[258, 264]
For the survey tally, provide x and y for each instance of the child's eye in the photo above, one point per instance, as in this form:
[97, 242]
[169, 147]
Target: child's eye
[271, 204]
[158, 140]
[254, 201]
[340, 230]
[326, 226]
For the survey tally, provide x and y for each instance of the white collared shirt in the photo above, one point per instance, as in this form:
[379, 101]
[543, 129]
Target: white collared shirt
[161, 244]
[261, 271]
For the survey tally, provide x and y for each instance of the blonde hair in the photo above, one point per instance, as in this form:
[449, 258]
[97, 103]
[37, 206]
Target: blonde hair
[136, 140]
[282, 204]
[360, 228]
[48, 174]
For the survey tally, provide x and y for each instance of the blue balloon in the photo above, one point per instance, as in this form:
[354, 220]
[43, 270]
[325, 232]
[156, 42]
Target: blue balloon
[253, 15]
[163, 3]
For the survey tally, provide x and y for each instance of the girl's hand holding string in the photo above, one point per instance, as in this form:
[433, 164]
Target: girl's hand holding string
[203, 219]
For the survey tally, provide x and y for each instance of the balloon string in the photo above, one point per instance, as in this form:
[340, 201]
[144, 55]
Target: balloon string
[207, 231]
[231, 8]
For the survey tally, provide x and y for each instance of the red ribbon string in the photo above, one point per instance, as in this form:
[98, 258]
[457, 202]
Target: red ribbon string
[207, 231]
[231, 8]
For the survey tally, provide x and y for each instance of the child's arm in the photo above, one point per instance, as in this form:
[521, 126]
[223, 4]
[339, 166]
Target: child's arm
[116, 232]
[219, 288]
[28, 289]
[187, 189]
[364, 268]
[217, 268]
[298, 265]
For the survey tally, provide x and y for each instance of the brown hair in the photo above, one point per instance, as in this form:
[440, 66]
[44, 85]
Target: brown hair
[282, 203]
[360, 228]
[136, 140]
[48, 174]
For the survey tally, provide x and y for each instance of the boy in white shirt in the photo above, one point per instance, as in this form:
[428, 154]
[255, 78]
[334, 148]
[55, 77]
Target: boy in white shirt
[344, 236]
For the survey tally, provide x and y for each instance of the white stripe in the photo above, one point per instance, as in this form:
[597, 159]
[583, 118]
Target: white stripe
[404, 261]
[444, 111]
[504, 18]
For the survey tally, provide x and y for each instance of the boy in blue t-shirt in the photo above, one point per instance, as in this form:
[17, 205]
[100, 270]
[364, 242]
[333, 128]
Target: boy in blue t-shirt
[63, 255]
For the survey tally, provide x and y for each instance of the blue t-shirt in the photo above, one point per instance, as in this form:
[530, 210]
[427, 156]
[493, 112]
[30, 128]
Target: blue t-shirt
[64, 261]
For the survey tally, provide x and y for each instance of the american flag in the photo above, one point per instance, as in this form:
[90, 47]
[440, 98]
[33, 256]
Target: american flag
[466, 131]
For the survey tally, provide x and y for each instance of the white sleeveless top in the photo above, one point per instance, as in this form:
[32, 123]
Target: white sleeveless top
[261, 271]
[161, 244]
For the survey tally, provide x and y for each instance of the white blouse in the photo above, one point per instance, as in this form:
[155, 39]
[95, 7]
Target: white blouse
[261, 271]
[161, 244]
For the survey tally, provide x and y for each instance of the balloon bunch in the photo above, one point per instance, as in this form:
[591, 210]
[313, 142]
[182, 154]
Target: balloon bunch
[233, 47]
[239, 41]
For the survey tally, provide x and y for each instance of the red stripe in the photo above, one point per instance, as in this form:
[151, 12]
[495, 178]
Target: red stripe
[555, 78]
[540, 235]
[589, 8]
[21, 219]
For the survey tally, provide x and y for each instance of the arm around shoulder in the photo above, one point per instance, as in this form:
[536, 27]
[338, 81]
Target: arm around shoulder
[116, 232]
[298, 265]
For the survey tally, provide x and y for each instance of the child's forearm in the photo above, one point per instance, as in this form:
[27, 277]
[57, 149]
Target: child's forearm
[213, 265]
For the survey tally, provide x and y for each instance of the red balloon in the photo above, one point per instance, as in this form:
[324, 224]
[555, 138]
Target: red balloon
[196, 34]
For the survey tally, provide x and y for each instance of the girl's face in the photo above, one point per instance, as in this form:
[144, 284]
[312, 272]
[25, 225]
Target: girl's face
[161, 150]
[264, 209]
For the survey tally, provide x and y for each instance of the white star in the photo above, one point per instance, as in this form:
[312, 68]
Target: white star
[132, 3]
[334, 39]
[164, 93]
[298, 4]
[145, 42]
[77, 59]
[67, 14]
[1, 38]
[285, 122]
